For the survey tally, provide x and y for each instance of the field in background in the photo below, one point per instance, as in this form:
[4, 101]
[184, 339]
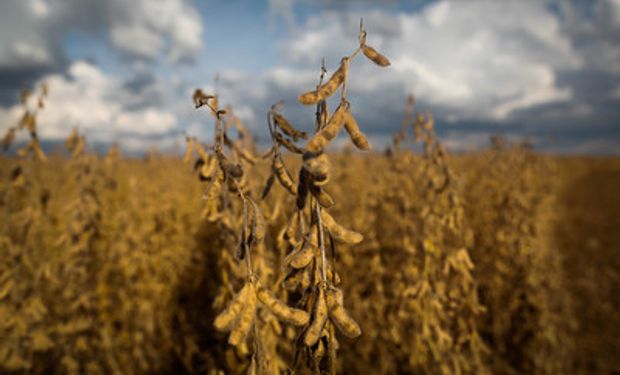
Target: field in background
[106, 266]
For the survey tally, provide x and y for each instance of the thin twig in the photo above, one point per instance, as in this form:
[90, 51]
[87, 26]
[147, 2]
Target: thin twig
[319, 222]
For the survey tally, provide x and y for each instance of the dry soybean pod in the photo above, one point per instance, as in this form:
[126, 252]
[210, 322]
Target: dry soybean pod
[323, 197]
[329, 132]
[359, 139]
[287, 128]
[294, 250]
[339, 315]
[268, 184]
[375, 56]
[227, 319]
[303, 257]
[215, 186]
[317, 166]
[327, 89]
[201, 151]
[281, 310]
[230, 169]
[283, 176]
[207, 168]
[245, 154]
[258, 223]
[287, 143]
[319, 317]
[246, 319]
[292, 228]
[340, 233]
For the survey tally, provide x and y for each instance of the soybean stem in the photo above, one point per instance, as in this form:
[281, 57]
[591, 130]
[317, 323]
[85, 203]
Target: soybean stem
[319, 222]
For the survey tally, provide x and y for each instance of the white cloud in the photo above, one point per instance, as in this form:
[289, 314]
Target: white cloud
[32, 31]
[291, 78]
[474, 59]
[146, 121]
[136, 40]
[34, 54]
[497, 62]
[542, 90]
[40, 8]
[143, 28]
[98, 105]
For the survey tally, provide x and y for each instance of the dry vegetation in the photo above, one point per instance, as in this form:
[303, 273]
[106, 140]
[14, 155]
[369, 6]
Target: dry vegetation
[228, 262]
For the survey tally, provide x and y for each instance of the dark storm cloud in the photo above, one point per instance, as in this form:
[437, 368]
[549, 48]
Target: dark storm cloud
[12, 81]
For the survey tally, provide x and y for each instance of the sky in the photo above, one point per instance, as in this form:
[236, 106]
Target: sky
[123, 71]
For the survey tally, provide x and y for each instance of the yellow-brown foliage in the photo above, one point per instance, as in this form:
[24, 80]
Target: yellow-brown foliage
[112, 268]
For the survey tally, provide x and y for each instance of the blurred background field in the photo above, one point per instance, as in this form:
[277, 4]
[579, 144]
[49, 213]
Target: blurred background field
[108, 267]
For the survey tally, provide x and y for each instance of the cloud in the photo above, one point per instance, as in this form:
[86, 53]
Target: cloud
[23, 41]
[145, 28]
[498, 63]
[99, 105]
[616, 93]
[135, 112]
[542, 90]
[33, 32]
[473, 59]
[537, 69]
[594, 29]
